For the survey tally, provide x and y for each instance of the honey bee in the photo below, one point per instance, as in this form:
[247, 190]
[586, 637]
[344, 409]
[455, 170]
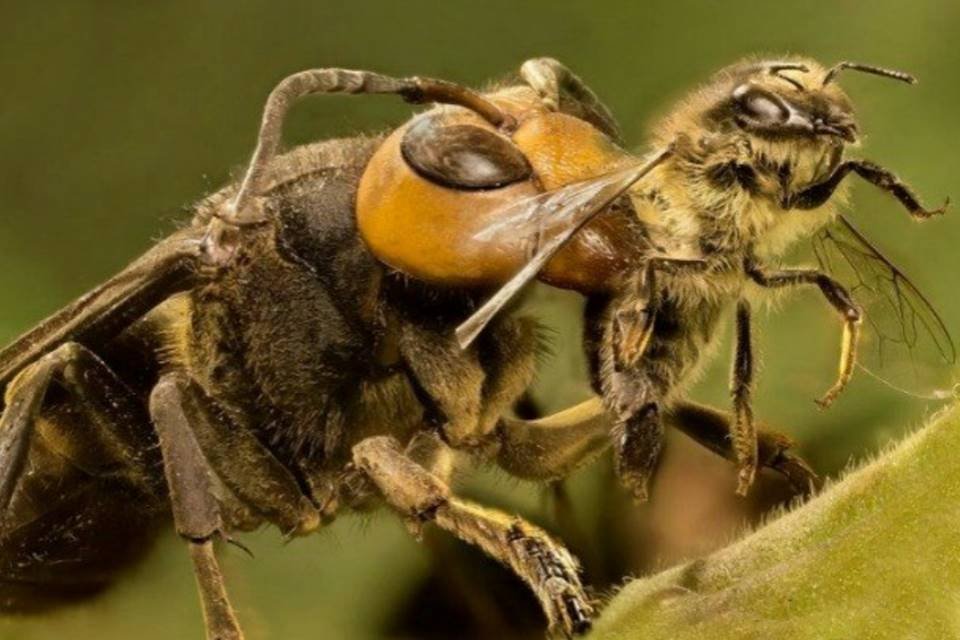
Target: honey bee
[326, 332]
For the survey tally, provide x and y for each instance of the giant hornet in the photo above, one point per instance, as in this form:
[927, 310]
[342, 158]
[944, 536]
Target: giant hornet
[326, 331]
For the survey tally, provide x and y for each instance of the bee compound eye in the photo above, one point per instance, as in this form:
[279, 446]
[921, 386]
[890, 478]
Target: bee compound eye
[764, 108]
[462, 156]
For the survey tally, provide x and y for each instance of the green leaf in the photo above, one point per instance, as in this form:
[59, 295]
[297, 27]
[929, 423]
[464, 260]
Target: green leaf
[874, 556]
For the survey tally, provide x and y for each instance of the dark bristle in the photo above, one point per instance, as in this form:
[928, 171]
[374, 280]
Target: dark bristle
[866, 68]
[775, 67]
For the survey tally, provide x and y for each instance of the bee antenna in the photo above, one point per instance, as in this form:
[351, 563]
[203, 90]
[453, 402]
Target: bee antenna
[774, 69]
[866, 68]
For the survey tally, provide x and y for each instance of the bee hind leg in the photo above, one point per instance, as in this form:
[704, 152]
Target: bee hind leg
[638, 442]
[547, 567]
[712, 428]
[552, 447]
[743, 434]
[632, 397]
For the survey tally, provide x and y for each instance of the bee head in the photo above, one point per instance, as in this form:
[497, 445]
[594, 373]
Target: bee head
[787, 100]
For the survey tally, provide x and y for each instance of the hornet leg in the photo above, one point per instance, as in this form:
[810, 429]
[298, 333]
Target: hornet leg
[247, 468]
[245, 209]
[115, 442]
[196, 512]
[548, 568]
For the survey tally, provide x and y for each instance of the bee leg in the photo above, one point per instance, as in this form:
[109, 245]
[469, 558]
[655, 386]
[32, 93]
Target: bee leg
[632, 396]
[562, 90]
[816, 195]
[839, 298]
[196, 512]
[744, 433]
[632, 401]
[114, 441]
[848, 358]
[637, 444]
[548, 568]
[634, 314]
[554, 446]
[713, 429]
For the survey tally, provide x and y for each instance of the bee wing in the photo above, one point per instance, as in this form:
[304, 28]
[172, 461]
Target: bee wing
[905, 343]
[557, 216]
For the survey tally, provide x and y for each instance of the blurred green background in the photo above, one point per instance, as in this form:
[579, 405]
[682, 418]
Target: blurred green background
[115, 116]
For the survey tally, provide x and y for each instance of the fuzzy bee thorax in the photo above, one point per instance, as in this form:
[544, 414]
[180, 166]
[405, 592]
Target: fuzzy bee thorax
[726, 194]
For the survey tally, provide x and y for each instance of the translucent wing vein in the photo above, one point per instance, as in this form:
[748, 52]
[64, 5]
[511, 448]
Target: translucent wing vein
[906, 343]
